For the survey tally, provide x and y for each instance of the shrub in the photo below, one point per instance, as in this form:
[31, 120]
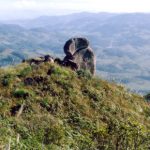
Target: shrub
[21, 93]
[84, 74]
[53, 135]
[147, 112]
[25, 71]
[6, 80]
[147, 97]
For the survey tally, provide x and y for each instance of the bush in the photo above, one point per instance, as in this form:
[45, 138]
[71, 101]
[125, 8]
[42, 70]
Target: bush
[53, 135]
[84, 74]
[147, 97]
[6, 80]
[21, 93]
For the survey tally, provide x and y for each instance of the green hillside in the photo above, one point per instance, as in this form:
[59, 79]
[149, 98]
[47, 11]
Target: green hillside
[48, 107]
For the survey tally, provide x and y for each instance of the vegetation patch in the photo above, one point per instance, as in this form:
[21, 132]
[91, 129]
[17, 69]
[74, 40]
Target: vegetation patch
[65, 110]
[21, 93]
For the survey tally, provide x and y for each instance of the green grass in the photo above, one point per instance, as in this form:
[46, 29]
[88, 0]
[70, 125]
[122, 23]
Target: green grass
[69, 111]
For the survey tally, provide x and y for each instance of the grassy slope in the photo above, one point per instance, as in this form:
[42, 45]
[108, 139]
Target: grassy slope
[66, 110]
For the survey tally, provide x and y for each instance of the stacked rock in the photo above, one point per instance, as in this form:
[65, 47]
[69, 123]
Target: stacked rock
[79, 55]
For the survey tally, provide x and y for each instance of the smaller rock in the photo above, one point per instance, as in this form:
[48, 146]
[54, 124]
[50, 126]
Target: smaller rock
[38, 79]
[35, 61]
[58, 61]
[50, 71]
[28, 81]
[48, 58]
[15, 109]
[39, 60]
[71, 64]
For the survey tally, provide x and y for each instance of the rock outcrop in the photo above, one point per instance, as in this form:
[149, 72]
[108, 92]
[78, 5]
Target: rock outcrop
[85, 59]
[79, 54]
[39, 60]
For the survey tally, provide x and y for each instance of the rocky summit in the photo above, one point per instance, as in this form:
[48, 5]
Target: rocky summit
[77, 50]
[79, 56]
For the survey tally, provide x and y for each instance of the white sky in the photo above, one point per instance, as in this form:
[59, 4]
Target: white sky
[16, 8]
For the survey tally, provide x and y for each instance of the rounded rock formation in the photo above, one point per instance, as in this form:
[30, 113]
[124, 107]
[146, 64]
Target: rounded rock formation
[85, 59]
[79, 53]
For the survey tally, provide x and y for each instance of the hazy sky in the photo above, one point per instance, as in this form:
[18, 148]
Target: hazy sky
[12, 9]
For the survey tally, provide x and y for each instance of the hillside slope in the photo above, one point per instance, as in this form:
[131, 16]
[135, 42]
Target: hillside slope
[50, 107]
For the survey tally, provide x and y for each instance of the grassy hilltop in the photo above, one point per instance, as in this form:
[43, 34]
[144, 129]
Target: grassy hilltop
[48, 107]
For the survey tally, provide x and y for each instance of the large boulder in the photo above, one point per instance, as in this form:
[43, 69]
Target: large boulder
[81, 43]
[79, 54]
[74, 44]
[85, 60]
[69, 47]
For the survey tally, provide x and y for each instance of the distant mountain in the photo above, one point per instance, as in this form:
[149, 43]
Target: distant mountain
[62, 21]
[121, 42]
